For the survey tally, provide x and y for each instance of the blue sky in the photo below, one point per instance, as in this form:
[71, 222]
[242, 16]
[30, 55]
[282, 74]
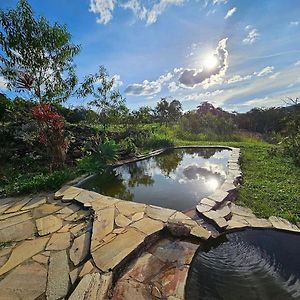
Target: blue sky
[237, 54]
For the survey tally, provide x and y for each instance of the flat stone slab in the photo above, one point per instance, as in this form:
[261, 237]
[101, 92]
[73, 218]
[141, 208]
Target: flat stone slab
[58, 275]
[48, 225]
[15, 220]
[218, 196]
[159, 213]
[201, 208]
[200, 232]
[35, 202]
[280, 223]
[80, 248]
[102, 226]
[148, 226]
[122, 221]
[93, 287]
[208, 202]
[59, 241]
[129, 208]
[22, 252]
[108, 256]
[18, 232]
[16, 207]
[44, 210]
[27, 281]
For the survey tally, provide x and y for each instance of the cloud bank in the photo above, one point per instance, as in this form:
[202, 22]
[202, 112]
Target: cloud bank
[208, 77]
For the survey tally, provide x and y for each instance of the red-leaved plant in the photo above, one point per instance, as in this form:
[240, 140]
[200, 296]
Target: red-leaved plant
[51, 132]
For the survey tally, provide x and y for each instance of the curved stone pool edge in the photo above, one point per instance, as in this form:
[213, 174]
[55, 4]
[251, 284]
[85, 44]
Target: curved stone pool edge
[217, 209]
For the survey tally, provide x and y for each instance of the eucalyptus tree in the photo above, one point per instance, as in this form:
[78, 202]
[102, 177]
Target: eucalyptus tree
[105, 98]
[36, 57]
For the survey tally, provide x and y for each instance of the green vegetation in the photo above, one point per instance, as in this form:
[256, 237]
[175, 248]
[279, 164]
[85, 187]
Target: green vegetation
[45, 144]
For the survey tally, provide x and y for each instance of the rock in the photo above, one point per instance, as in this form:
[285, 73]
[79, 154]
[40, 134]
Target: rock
[6, 216]
[234, 224]
[44, 210]
[159, 213]
[218, 196]
[122, 221]
[128, 208]
[41, 259]
[58, 275]
[22, 252]
[129, 290]
[283, 224]
[78, 216]
[200, 232]
[145, 267]
[110, 255]
[87, 197]
[224, 212]
[74, 274]
[87, 268]
[68, 210]
[79, 229]
[173, 282]
[48, 225]
[201, 208]
[119, 230]
[156, 292]
[80, 248]
[259, 223]
[148, 226]
[70, 193]
[102, 226]
[35, 202]
[104, 202]
[60, 193]
[241, 211]
[93, 287]
[15, 220]
[216, 218]
[208, 202]
[18, 232]
[59, 241]
[27, 281]
[18, 205]
[137, 216]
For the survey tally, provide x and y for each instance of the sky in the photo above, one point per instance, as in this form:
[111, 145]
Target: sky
[236, 54]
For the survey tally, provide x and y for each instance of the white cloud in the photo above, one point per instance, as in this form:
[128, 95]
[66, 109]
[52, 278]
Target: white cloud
[230, 13]
[3, 84]
[147, 88]
[294, 23]
[214, 2]
[208, 77]
[275, 75]
[238, 78]
[173, 86]
[265, 71]
[105, 8]
[252, 35]
[297, 63]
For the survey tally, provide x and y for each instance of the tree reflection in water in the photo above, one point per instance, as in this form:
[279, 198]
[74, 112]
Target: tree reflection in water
[169, 161]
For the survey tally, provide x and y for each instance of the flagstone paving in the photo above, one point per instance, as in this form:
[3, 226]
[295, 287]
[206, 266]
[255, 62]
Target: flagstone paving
[77, 244]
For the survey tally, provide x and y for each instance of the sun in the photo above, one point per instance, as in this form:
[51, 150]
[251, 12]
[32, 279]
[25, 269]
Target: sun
[210, 62]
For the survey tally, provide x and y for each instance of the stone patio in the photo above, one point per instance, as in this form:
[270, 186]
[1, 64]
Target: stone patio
[77, 244]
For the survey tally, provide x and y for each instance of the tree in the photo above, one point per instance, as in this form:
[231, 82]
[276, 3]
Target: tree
[37, 57]
[108, 101]
[175, 110]
[168, 112]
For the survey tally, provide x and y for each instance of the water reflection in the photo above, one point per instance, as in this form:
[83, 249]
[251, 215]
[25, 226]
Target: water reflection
[175, 179]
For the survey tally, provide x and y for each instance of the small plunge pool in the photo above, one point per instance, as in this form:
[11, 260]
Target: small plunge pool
[177, 178]
[253, 264]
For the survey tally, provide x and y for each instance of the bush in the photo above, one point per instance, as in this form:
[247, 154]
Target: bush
[99, 156]
[158, 143]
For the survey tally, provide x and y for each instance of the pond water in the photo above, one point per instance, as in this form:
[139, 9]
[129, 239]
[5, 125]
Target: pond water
[251, 264]
[177, 178]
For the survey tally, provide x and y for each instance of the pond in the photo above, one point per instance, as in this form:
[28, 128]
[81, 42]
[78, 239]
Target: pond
[251, 264]
[177, 178]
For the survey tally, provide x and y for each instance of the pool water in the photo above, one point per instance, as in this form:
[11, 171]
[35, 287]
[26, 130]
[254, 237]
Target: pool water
[251, 264]
[177, 178]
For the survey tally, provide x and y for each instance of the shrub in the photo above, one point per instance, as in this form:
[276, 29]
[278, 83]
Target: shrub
[98, 156]
[157, 143]
[51, 128]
